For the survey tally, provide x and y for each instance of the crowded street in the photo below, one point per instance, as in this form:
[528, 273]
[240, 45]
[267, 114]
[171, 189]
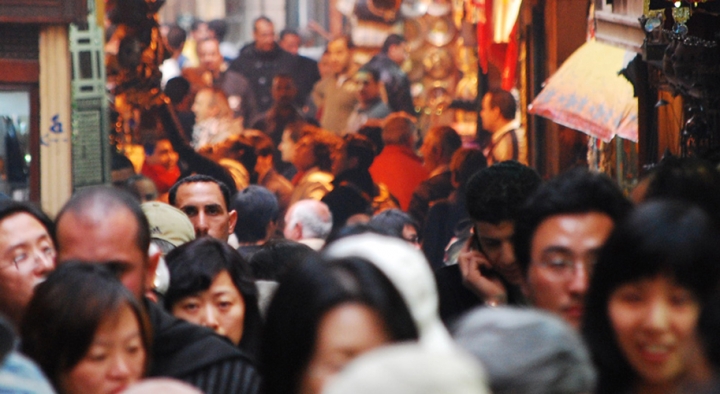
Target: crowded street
[359, 196]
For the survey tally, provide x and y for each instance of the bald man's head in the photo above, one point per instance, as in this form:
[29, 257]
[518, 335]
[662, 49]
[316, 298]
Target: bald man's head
[105, 225]
[308, 219]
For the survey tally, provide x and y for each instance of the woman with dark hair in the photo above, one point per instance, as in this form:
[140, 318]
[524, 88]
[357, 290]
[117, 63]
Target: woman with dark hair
[86, 331]
[653, 276]
[324, 314]
[212, 285]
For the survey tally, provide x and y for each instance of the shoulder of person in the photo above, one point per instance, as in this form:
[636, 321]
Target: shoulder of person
[181, 349]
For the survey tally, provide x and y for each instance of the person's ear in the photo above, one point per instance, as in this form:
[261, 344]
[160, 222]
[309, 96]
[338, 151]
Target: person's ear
[232, 221]
[297, 231]
[154, 255]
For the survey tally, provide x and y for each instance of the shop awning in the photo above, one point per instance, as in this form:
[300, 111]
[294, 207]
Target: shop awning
[587, 94]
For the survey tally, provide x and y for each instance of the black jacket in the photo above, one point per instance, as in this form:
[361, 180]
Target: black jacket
[396, 82]
[260, 68]
[198, 356]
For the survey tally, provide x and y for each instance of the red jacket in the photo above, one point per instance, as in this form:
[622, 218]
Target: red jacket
[164, 179]
[401, 170]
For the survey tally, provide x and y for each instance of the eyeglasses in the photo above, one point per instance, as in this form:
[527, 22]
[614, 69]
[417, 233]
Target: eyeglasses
[566, 267]
[25, 258]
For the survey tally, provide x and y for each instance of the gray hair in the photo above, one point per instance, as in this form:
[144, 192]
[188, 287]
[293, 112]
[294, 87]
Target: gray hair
[527, 351]
[314, 216]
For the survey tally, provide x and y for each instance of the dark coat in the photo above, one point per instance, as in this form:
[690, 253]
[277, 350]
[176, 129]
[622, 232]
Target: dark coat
[260, 68]
[198, 356]
[396, 82]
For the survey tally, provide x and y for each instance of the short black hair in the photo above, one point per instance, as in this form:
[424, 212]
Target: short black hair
[256, 207]
[241, 149]
[354, 229]
[276, 256]
[360, 147]
[374, 133]
[176, 37]
[574, 192]
[392, 39]
[665, 238]
[495, 194]
[109, 199]
[505, 101]
[392, 221]
[199, 178]
[131, 186]
[464, 163]
[375, 74]
[193, 267]
[219, 28]
[118, 161]
[196, 22]
[287, 31]
[692, 180]
[176, 89]
[344, 201]
[10, 207]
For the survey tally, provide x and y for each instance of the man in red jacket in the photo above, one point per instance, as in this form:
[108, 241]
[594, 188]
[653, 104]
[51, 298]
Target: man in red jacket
[397, 166]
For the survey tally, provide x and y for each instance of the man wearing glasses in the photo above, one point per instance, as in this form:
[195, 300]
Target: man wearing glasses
[558, 235]
[27, 255]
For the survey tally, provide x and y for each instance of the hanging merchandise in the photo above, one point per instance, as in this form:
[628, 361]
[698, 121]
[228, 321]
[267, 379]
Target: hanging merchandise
[497, 36]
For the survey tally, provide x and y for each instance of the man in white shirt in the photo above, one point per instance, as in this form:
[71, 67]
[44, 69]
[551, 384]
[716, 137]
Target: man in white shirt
[508, 140]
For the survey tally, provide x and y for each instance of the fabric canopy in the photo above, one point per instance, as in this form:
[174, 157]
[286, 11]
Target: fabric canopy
[587, 94]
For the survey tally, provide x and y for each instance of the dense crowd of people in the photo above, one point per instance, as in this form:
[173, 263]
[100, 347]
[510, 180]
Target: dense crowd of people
[279, 255]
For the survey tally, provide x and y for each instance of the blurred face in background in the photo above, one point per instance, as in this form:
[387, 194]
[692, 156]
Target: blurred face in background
[290, 43]
[398, 53]
[287, 147]
[163, 155]
[340, 56]
[324, 67]
[283, 90]
[202, 32]
[368, 87]
[304, 158]
[209, 55]
[204, 106]
[264, 35]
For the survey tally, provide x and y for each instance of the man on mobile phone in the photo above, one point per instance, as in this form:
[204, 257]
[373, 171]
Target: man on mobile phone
[487, 272]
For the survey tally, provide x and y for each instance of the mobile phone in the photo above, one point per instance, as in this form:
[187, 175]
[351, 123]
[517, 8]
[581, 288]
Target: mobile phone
[487, 272]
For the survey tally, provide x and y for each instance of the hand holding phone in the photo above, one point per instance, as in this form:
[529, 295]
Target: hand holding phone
[479, 275]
